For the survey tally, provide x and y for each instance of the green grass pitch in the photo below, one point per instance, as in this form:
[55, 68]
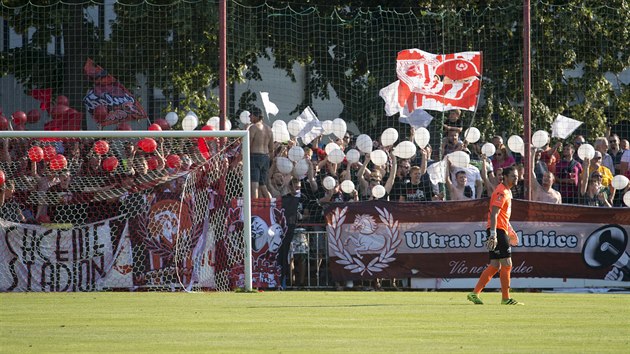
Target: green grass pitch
[312, 321]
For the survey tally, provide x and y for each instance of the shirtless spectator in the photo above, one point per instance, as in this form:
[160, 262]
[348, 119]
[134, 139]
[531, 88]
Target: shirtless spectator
[261, 150]
[458, 190]
[543, 191]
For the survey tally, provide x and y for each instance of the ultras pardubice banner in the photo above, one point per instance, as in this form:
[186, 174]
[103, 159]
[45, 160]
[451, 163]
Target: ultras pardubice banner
[380, 239]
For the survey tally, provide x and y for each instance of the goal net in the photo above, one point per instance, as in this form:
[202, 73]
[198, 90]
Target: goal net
[92, 211]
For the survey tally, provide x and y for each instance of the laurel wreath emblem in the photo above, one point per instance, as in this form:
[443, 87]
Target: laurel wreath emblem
[354, 264]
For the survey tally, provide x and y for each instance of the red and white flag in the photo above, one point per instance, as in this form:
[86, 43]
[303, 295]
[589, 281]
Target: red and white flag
[438, 82]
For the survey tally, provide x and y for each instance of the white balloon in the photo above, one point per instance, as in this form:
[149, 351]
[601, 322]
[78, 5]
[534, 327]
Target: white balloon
[245, 117]
[620, 182]
[472, 135]
[364, 143]
[378, 157]
[540, 138]
[347, 186]
[295, 127]
[296, 153]
[389, 137]
[405, 150]
[459, 159]
[353, 156]
[327, 126]
[171, 118]
[190, 123]
[191, 113]
[339, 127]
[330, 147]
[421, 136]
[515, 143]
[488, 149]
[280, 132]
[228, 125]
[284, 164]
[215, 122]
[329, 182]
[336, 156]
[626, 198]
[586, 151]
[301, 168]
[378, 191]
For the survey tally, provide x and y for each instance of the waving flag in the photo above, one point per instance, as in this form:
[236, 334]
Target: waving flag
[438, 82]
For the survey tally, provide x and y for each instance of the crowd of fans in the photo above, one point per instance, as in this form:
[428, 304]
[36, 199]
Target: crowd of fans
[559, 175]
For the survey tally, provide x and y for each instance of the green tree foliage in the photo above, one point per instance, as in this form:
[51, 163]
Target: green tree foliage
[349, 46]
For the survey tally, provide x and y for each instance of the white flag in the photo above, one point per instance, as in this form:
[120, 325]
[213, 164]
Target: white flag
[563, 126]
[418, 118]
[389, 94]
[270, 107]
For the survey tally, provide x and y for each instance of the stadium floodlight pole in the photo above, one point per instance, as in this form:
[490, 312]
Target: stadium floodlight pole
[112, 134]
[527, 90]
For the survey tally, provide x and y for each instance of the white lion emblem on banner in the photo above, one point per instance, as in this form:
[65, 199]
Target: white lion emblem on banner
[365, 237]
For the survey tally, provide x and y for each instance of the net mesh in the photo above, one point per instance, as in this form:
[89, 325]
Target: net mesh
[89, 214]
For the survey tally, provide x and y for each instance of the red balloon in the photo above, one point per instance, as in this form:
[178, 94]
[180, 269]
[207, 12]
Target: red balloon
[147, 145]
[173, 161]
[163, 123]
[63, 100]
[49, 153]
[33, 116]
[124, 126]
[58, 111]
[155, 127]
[110, 163]
[153, 163]
[4, 123]
[36, 154]
[19, 118]
[58, 163]
[100, 113]
[101, 147]
[2, 178]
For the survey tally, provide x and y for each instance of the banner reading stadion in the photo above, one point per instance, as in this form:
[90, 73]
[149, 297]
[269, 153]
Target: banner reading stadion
[380, 239]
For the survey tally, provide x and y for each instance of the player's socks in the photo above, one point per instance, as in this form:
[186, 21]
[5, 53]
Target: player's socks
[505, 281]
[485, 278]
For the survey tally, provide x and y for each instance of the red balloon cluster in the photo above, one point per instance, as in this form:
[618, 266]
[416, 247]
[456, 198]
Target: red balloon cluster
[101, 147]
[49, 153]
[36, 154]
[58, 163]
[3, 178]
[173, 161]
[147, 145]
[110, 163]
[155, 127]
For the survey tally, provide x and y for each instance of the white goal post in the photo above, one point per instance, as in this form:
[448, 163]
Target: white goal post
[242, 135]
